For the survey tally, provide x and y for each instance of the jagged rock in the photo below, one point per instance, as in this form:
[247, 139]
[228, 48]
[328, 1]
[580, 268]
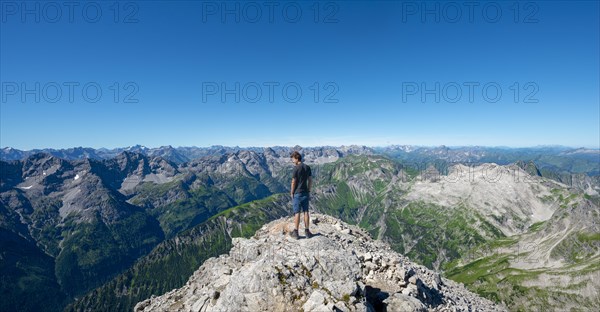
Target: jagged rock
[401, 273]
[272, 272]
[411, 290]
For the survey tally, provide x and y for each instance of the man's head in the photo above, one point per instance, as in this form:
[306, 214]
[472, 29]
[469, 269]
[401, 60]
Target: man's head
[296, 157]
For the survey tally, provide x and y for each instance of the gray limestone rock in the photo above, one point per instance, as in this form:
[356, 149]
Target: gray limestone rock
[271, 272]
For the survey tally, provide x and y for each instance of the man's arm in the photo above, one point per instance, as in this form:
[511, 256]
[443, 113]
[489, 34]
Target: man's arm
[293, 187]
[309, 184]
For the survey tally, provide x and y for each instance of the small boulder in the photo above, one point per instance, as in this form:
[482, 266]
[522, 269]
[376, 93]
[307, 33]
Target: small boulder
[316, 302]
[401, 302]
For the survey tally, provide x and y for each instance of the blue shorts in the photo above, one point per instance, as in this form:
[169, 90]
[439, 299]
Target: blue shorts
[300, 202]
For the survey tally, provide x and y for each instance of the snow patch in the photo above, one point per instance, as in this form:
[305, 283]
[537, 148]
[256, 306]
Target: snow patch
[25, 187]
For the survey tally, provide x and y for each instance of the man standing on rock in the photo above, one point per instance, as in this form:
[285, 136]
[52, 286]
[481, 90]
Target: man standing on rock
[300, 191]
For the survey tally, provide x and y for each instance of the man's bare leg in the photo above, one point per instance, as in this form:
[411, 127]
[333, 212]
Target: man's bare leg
[306, 220]
[296, 220]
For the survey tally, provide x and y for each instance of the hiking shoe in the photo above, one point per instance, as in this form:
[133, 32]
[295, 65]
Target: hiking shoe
[294, 234]
[307, 233]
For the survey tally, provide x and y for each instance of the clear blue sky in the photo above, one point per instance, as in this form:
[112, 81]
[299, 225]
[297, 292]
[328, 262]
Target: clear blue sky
[372, 54]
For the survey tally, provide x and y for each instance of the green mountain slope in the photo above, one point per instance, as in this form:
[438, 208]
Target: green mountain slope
[25, 270]
[554, 266]
[171, 263]
[93, 252]
[185, 208]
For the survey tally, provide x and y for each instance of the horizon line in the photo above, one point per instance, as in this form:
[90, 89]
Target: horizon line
[312, 146]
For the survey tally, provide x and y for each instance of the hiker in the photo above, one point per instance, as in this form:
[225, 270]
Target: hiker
[300, 192]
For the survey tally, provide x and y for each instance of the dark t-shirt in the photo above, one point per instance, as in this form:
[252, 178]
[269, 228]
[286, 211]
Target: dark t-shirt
[301, 174]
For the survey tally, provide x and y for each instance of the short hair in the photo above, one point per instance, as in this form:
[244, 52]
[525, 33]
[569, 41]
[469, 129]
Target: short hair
[296, 155]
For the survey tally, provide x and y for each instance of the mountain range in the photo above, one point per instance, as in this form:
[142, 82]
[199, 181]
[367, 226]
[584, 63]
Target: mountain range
[105, 229]
[561, 158]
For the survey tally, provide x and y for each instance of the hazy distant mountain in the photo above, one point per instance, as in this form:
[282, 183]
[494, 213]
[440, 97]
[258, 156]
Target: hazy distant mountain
[557, 159]
[176, 155]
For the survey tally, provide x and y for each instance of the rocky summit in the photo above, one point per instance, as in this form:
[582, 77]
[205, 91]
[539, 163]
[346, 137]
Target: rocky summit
[340, 268]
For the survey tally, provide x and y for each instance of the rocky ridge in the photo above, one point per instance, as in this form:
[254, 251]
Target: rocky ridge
[341, 268]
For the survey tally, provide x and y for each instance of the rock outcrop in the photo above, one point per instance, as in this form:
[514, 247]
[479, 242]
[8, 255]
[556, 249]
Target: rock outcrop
[340, 268]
